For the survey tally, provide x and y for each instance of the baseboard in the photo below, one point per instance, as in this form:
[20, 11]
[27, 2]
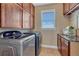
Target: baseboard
[49, 46]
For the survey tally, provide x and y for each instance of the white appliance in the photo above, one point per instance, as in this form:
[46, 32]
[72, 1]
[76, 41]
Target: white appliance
[22, 46]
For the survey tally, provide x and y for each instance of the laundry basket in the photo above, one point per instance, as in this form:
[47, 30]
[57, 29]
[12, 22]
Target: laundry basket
[7, 51]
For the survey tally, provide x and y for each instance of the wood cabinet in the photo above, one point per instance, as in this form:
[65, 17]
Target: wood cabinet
[6, 18]
[26, 19]
[20, 4]
[32, 21]
[32, 15]
[72, 5]
[0, 16]
[26, 6]
[28, 16]
[63, 46]
[29, 8]
[32, 9]
[66, 46]
[11, 16]
[17, 15]
[68, 8]
[59, 44]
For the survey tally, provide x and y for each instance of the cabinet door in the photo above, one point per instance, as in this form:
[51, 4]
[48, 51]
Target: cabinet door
[28, 16]
[69, 8]
[26, 19]
[20, 4]
[66, 7]
[26, 6]
[11, 15]
[64, 47]
[59, 44]
[0, 15]
[72, 5]
[6, 14]
[31, 21]
[32, 9]
[16, 16]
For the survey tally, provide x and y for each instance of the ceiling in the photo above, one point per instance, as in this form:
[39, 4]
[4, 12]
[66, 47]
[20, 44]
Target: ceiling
[40, 4]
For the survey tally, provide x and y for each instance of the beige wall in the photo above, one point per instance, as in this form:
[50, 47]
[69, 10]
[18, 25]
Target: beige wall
[49, 36]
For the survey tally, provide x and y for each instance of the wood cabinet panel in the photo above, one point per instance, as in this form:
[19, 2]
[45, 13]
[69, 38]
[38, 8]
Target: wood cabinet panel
[0, 16]
[32, 21]
[63, 46]
[16, 15]
[6, 15]
[26, 19]
[59, 44]
[69, 8]
[26, 6]
[32, 9]
[28, 16]
[20, 4]
[66, 8]
[65, 50]
[11, 15]
[72, 5]
[67, 47]
[29, 8]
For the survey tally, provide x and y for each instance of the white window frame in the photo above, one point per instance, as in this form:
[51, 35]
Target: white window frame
[50, 10]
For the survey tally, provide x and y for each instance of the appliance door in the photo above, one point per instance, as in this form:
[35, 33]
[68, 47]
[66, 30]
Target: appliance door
[29, 47]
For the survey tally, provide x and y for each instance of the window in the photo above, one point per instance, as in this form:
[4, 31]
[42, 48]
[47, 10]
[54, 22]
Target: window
[48, 19]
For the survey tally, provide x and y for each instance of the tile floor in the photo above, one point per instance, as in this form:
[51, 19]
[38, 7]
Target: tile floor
[49, 52]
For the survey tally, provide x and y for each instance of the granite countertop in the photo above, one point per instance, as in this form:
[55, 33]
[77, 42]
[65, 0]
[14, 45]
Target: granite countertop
[68, 38]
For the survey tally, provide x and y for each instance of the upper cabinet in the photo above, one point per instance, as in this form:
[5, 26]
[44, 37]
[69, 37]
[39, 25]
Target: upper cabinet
[26, 20]
[32, 9]
[72, 5]
[11, 15]
[17, 15]
[32, 16]
[20, 4]
[29, 8]
[26, 6]
[28, 15]
[68, 8]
